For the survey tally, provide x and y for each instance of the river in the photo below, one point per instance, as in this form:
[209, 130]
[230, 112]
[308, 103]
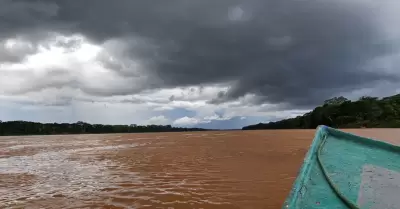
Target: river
[231, 169]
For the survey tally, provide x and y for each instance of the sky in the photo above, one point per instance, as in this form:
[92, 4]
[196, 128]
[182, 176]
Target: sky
[189, 63]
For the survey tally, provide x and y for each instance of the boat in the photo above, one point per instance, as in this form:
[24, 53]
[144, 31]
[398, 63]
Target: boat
[343, 170]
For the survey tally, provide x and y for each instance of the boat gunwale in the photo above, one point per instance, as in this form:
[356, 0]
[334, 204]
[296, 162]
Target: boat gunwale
[322, 131]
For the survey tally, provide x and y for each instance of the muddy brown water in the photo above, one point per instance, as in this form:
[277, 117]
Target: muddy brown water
[232, 169]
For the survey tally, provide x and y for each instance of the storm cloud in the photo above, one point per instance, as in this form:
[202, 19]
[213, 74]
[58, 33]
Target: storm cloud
[296, 52]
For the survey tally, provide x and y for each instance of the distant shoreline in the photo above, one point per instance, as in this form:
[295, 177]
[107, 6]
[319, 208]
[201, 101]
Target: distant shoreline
[23, 128]
[339, 112]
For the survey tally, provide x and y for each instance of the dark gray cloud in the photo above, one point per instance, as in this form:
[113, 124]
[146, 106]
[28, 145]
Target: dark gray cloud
[26, 16]
[284, 51]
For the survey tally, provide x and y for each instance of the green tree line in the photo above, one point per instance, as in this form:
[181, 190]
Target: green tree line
[34, 128]
[339, 112]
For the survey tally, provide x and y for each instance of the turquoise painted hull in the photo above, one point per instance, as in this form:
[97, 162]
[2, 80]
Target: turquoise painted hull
[342, 170]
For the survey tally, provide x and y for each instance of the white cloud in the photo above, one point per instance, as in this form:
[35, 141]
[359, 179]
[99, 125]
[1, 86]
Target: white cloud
[70, 61]
[158, 120]
[186, 121]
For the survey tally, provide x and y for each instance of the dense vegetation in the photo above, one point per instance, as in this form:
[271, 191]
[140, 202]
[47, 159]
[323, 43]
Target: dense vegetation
[340, 112]
[32, 128]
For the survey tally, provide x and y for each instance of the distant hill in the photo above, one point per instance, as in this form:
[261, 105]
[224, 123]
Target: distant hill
[339, 112]
[34, 128]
